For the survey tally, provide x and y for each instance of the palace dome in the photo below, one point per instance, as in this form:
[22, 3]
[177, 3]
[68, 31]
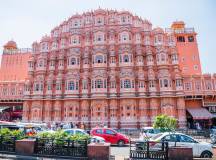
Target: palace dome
[10, 45]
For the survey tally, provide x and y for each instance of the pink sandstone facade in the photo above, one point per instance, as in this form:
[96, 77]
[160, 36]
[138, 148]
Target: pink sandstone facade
[112, 68]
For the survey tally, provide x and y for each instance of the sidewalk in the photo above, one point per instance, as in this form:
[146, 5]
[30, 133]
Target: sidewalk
[21, 157]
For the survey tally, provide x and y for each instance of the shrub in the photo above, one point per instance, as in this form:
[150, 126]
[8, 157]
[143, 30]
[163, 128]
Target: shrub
[59, 137]
[165, 123]
[7, 134]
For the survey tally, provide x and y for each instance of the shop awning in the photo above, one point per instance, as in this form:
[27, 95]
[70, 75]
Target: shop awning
[3, 108]
[199, 113]
[213, 115]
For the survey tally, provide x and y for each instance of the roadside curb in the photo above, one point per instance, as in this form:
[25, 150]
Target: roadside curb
[23, 157]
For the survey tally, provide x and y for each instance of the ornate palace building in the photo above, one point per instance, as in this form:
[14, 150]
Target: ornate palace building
[113, 68]
[13, 72]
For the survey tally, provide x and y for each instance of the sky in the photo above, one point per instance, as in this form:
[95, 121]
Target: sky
[26, 21]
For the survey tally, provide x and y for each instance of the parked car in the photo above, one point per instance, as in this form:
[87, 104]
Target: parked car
[110, 136]
[149, 132]
[74, 131]
[200, 149]
[94, 139]
[213, 135]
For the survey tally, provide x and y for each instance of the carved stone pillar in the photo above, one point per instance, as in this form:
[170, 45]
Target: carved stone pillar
[181, 111]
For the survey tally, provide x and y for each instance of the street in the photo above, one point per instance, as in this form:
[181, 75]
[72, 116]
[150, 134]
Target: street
[120, 152]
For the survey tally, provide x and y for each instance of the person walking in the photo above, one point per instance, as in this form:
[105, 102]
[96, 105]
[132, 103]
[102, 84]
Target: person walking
[71, 125]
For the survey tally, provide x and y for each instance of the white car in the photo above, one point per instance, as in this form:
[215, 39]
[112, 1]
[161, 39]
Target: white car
[149, 132]
[200, 149]
[74, 131]
[94, 139]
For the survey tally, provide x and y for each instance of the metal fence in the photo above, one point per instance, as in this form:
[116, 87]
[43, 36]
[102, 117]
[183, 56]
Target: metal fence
[195, 133]
[132, 133]
[61, 148]
[7, 144]
[148, 150]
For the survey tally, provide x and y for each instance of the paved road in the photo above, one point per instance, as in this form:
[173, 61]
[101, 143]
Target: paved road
[120, 152]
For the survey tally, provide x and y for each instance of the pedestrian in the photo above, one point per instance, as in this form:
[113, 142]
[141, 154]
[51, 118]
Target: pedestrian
[76, 126]
[61, 125]
[71, 125]
[49, 126]
[82, 126]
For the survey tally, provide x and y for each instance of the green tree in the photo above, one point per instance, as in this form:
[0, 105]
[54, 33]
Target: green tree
[165, 123]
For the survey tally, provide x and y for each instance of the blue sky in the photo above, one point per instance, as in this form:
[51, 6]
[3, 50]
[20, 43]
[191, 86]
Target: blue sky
[26, 21]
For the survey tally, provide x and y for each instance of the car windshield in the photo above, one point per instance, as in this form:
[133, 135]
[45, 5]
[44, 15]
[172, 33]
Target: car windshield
[156, 136]
[81, 132]
[107, 131]
[69, 131]
[157, 131]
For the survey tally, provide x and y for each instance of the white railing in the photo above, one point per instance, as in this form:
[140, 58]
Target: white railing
[15, 51]
[182, 30]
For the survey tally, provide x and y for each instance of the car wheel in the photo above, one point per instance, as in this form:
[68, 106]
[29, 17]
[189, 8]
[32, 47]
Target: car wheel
[206, 154]
[121, 143]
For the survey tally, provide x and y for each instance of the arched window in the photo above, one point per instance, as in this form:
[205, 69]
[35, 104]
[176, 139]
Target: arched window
[147, 40]
[49, 86]
[112, 84]
[58, 86]
[37, 87]
[123, 19]
[75, 40]
[84, 84]
[99, 20]
[126, 58]
[40, 63]
[99, 37]
[124, 37]
[178, 82]
[99, 59]
[63, 42]
[54, 45]
[141, 84]
[166, 83]
[138, 37]
[127, 83]
[163, 57]
[41, 86]
[175, 57]
[98, 83]
[208, 85]
[151, 84]
[73, 61]
[149, 58]
[71, 85]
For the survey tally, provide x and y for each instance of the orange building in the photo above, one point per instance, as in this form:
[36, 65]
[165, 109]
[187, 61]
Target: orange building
[187, 46]
[13, 72]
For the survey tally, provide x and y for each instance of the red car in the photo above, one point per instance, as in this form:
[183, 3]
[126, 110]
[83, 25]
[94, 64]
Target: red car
[110, 136]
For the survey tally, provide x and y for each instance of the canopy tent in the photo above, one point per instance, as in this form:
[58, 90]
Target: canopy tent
[200, 113]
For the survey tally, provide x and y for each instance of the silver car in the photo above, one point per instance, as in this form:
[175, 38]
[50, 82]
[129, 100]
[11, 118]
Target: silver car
[94, 139]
